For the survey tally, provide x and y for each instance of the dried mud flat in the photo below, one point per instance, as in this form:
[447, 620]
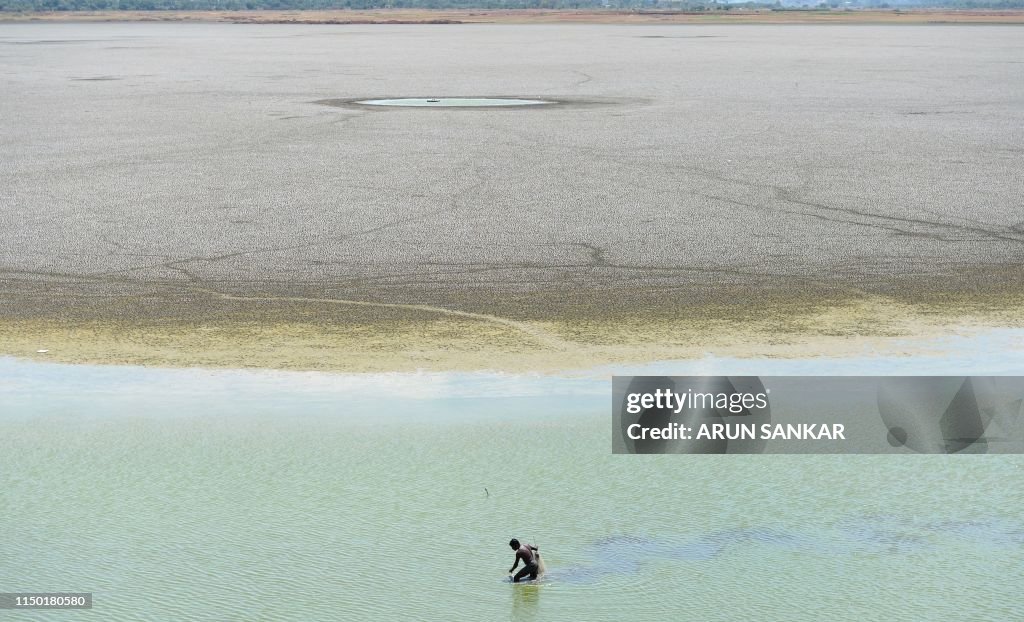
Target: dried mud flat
[177, 194]
[537, 16]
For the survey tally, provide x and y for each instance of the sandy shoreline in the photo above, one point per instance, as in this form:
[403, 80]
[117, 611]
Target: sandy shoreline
[316, 335]
[533, 16]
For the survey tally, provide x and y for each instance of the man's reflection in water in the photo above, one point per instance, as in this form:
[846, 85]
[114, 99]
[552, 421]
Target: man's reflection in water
[525, 601]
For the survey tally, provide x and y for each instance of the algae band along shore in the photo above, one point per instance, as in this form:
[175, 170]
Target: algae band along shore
[730, 189]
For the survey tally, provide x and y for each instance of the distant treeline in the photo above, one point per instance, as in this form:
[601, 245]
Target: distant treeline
[681, 5]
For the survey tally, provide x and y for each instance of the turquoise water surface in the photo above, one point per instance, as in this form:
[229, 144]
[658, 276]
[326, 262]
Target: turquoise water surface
[229, 495]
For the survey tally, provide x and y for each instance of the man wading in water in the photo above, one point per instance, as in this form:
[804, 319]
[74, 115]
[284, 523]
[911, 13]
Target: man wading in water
[528, 554]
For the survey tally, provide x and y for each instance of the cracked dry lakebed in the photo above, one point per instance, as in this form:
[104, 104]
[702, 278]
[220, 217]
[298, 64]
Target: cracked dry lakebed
[208, 194]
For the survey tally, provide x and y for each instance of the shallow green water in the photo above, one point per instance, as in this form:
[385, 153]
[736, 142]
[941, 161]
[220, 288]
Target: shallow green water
[236, 509]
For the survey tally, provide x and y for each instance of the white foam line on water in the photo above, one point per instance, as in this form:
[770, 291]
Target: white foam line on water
[990, 352]
[18, 374]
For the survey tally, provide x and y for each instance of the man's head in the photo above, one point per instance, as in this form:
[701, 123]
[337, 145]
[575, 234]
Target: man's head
[514, 543]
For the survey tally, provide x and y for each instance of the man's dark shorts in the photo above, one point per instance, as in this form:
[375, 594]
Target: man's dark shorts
[530, 569]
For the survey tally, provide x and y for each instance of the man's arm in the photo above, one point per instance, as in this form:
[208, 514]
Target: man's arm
[513, 568]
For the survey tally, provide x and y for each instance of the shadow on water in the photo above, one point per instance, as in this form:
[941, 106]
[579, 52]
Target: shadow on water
[868, 535]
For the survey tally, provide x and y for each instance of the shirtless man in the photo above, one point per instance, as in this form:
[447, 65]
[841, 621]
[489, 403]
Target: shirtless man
[528, 555]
